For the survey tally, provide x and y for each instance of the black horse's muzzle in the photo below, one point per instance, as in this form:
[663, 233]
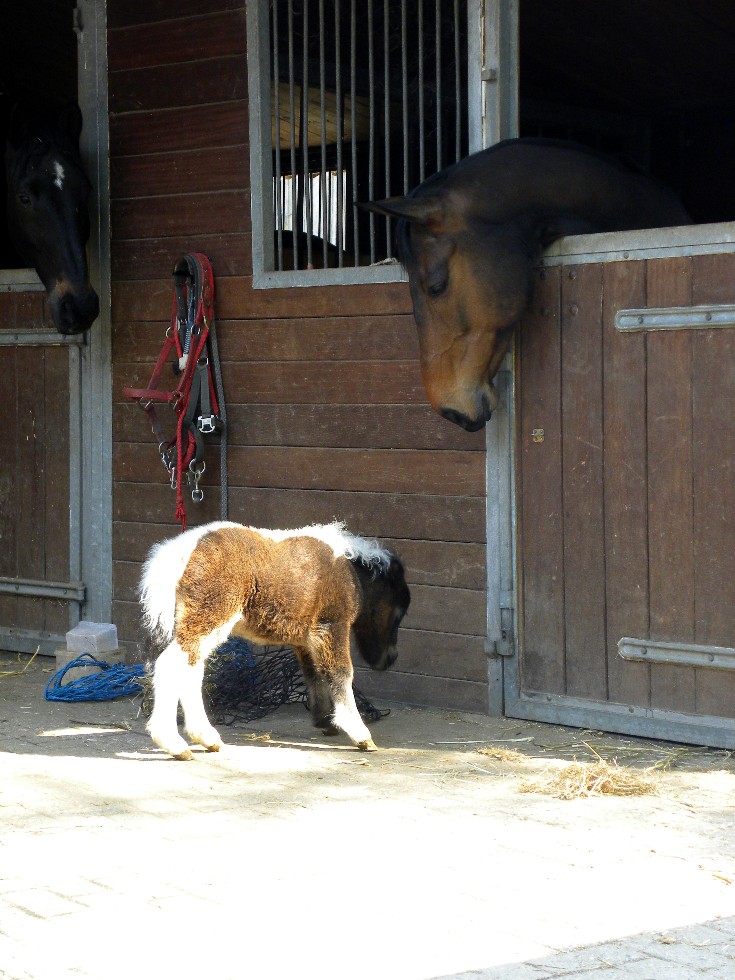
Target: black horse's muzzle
[73, 313]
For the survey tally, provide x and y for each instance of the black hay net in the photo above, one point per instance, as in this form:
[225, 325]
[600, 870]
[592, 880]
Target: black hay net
[241, 684]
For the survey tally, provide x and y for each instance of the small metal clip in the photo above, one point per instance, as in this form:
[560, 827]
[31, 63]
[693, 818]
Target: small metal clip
[194, 476]
[207, 424]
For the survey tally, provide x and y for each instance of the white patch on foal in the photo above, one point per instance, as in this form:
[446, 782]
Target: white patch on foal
[59, 171]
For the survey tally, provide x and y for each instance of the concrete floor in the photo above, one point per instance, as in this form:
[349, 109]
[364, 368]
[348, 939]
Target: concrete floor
[291, 855]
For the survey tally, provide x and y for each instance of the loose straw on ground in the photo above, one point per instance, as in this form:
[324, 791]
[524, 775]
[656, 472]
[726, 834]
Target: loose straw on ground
[12, 673]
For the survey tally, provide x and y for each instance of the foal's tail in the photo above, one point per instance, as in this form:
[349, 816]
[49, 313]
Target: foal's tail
[161, 573]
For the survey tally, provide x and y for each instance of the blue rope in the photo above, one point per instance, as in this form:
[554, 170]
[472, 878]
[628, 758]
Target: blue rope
[112, 681]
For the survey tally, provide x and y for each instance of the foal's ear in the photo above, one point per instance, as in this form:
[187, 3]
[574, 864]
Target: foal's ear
[427, 211]
[70, 121]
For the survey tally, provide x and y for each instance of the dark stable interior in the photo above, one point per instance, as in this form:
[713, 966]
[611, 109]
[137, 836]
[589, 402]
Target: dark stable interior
[38, 69]
[652, 81]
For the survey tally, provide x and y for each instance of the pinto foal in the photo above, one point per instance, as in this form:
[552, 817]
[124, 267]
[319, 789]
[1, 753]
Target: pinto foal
[307, 588]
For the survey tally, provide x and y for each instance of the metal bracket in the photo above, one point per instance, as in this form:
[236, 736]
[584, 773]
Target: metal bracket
[676, 318]
[677, 654]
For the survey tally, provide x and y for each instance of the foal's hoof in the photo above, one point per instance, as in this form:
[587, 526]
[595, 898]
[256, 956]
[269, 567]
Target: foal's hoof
[185, 756]
[367, 746]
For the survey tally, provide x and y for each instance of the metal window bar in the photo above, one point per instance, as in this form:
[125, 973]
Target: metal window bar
[457, 86]
[305, 207]
[371, 131]
[278, 196]
[422, 127]
[292, 125]
[339, 131]
[404, 94]
[438, 76]
[353, 120]
[378, 77]
[323, 213]
[386, 114]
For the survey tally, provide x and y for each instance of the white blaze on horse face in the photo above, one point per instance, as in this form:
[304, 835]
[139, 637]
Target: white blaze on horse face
[59, 172]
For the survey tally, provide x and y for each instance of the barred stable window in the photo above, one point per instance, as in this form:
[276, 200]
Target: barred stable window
[350, 101]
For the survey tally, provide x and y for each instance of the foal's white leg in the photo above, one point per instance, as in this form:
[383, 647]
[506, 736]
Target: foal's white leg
[347, 717]
[196, 723]
[168, 682]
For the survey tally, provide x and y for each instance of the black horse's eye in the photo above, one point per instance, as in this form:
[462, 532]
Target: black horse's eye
[25, 200]
[435, 289]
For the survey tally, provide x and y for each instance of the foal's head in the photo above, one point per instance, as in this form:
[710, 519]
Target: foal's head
[385, 601]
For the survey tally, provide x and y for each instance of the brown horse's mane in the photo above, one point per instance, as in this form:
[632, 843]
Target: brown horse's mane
[436, 182]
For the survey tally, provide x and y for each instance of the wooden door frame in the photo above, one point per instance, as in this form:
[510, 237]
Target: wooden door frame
[93, 430]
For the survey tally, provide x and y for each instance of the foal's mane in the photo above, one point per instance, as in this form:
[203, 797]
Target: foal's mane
[344, 545]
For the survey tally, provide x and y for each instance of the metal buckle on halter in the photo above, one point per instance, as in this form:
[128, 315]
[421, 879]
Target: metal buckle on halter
[207, 424]
[194, 475]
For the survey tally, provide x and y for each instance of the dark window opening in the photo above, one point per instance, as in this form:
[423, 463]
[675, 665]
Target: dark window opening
[648, 80]
[38, 69]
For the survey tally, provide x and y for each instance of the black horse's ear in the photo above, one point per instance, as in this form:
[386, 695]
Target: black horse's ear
[426, 211]
[70, 121]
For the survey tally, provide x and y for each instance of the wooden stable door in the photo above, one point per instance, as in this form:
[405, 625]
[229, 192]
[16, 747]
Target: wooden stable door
[626, 498]
[40, 591]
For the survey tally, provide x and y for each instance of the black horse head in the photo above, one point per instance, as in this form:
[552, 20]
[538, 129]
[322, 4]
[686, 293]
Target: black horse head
[48, 217]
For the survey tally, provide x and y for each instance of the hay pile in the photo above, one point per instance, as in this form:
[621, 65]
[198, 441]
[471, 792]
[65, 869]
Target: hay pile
[580, 780]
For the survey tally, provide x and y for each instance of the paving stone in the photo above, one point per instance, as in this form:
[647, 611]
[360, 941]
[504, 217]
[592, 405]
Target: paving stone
[421, 861]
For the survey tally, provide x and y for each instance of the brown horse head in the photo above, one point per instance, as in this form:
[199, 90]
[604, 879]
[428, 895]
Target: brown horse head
[464, 316]
[470, 237]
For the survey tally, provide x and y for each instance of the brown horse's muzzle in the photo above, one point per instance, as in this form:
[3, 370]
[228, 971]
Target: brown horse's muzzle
[470, 424]
[470, 408]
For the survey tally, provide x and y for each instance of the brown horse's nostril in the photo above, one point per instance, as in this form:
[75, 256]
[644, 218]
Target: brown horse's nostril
[470, 425]
[459, 418]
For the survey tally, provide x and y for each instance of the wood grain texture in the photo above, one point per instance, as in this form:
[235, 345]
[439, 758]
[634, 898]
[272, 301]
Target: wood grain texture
[237, 300]
[582, 476]
[713, 372]
[670, 482]
[137, 12]
[541, 508]
[328, 426]
[177, 40]
[626, 494]
[216, 79]
[197, 127]
[330, 338]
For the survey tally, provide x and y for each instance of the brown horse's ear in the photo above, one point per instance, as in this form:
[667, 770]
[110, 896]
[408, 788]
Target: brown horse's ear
[427, 211]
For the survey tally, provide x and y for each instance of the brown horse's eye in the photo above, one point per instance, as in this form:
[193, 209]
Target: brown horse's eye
[435, 289]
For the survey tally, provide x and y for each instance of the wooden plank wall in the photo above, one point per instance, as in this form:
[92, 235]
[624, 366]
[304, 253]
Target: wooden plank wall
[626, 506]
[34, 477]
[325, 403]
